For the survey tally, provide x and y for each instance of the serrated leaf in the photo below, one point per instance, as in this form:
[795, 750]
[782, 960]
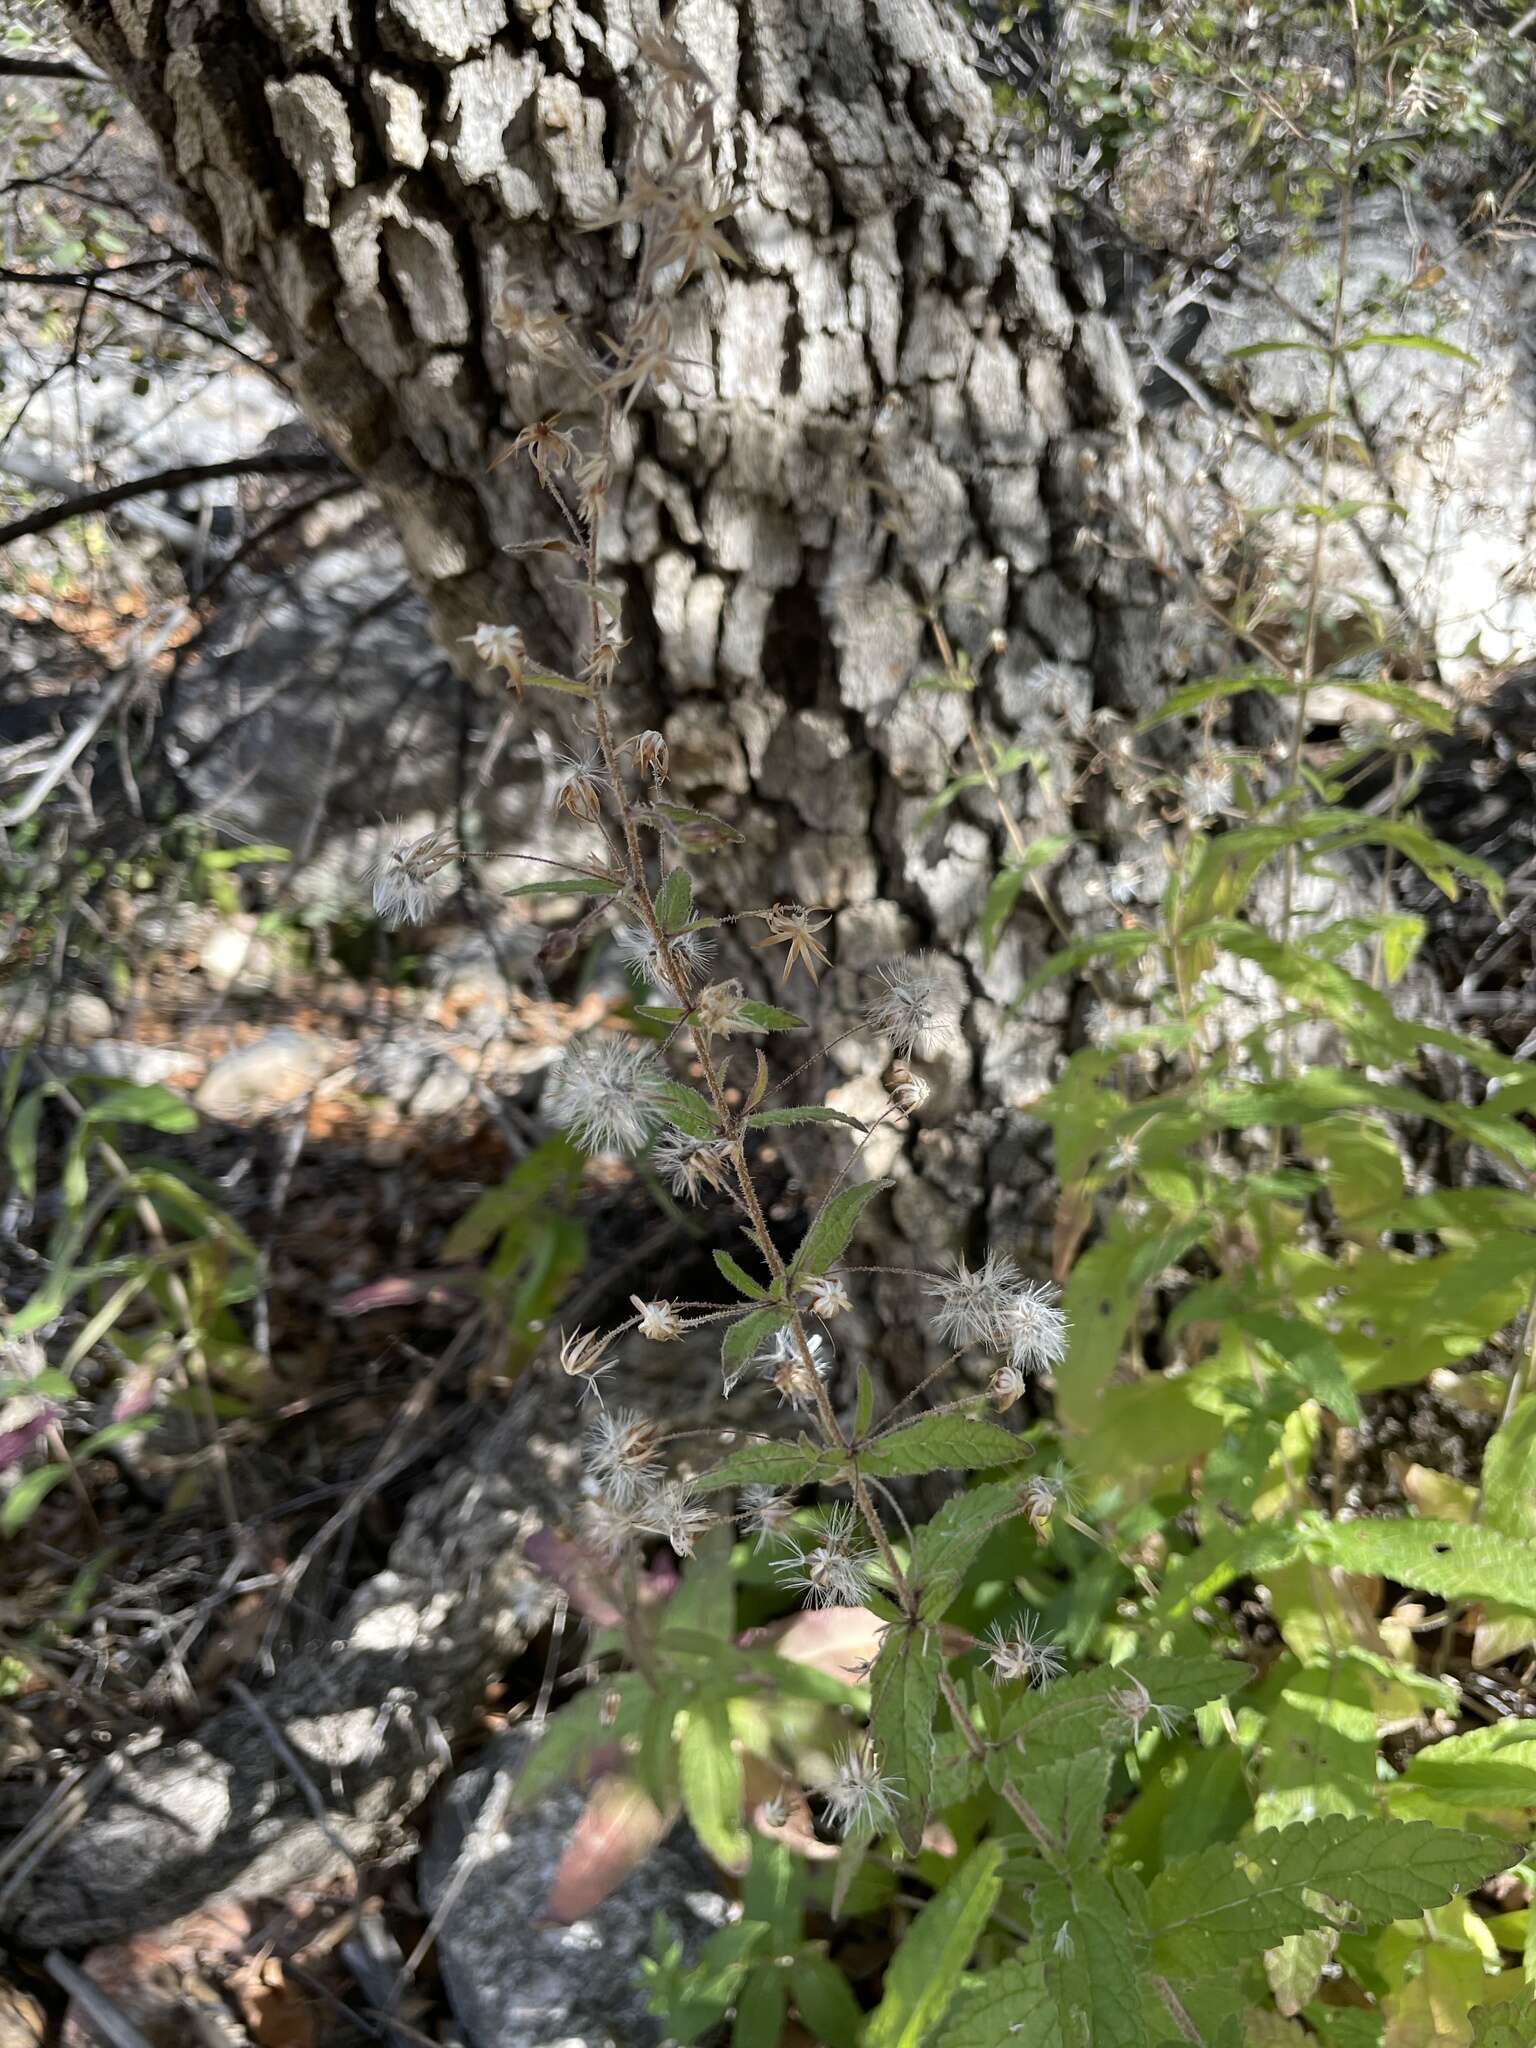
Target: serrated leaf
[1312, 1356]
[1487, 1768]
[904, 1700]
[1453, 1559]
[768, 1017]
[674, 901]
[1509, 1472]
[1091, 1958]
[1069, 1796]
[712, 1782]
[811, 1113]
[925, 1970]
[1222, 1906]
[944, 1548]
[942, 1443]
[572, 885]
[1009, 2007]
[768, 1464]
[687, 1110]
[1511, 2025]
[838, 1218]
[741, 1280]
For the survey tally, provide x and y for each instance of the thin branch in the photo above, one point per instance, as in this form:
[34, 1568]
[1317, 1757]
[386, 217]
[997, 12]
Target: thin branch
[50, 67]
[274, 463]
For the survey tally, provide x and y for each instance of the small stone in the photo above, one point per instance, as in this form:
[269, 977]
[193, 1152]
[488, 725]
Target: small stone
[274, 1071]
[120, 1060]
[236, 960]
[33, 1010]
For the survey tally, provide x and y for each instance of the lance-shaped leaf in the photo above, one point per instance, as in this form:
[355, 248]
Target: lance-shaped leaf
[807, 1113]
[713, 1786]
[942, 1443]
[674, 901]
[838, 1218]
[924, 1973]
[688, 1110]
[772, 1463]
[904, 1701]
[744, 1338]
[945, 1548]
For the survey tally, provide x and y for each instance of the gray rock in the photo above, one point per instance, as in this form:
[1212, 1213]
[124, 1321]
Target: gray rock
[236, 959]
[276, 1070]
[419, 1080]
[33, 1009]
[119, 1060]
[513, 1983]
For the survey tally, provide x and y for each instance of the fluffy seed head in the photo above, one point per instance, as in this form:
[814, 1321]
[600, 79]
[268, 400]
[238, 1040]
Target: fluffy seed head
[673, 1510]
[1036, 1329]
[767, 1514]
[606, 1527]
[675, 963]
[918, 1008]
[408, 882]
[1021, 1652]
[620, 1448]
[607, 1093]
[689, 1165]
[834, 1572]
[582, 780]
[973, 1302]
[1136, 1706]
[717, 1011]
[859, 1797]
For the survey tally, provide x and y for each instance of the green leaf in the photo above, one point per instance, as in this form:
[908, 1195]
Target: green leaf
[743, 1338]
[712, 1782]
[687, 1110]
[998, 908]
[154, 1106]
[1009, 2007]
[925, 1971]
[1426, 344]
[825, 2003]
[1510, 2025]
[607, 1712]
[812, 1113]
[1509, 1472]
[1091, 1956]
[1221, 1907]
[742, 1281]
[674, 901]
[1457, 1560]
[945, 1548]
[1069, 1795]
[702, 831]
[761, 2009]
[768, 1018]
[942, 1443]
[21, 1142]
[1312, 1356]
[27, 1495]
[772, 1463]
[573, 885]
[1117, 946]
[1193, 695]
[904, 1700]
[838, 1218]
[1487, 1768]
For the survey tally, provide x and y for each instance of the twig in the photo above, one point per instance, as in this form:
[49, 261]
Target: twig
[276, 462]
[108, 2019]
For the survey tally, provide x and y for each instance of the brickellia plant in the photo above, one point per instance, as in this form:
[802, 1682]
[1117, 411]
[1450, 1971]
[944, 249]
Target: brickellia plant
[1026, 1740]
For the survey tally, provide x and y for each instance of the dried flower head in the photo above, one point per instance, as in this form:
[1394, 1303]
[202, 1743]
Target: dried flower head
[718, 1009]
[651, 755]
[501, 647]
[767, 1514]
[918, 1008]
[607, 1093]
[792, 925]
[835, 1571]
[826, 1296]
[1134, 1705]
[584, 1355]
[408, 883]
[674, 1511]
[794, 1370]
[1021, 1652]
[907, 1090]
[689, 1165]
[859, 1797]
[1207, 790]
[1042, 1494]
[606, 1528]
[543, 335]
[659, 1320]
[582, 781]
[549, 450]
[1005, 1387]
[621, 1445]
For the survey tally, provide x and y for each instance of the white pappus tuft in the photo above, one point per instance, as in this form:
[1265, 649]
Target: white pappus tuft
[621, 1445]
[689, 1165]
[767, 1514]
[1021, 1652]
[685, 955]
[859, 1797]
[408, 882]
[918, 1008]
[994, 1307]
[834, 1572]
[607, 1093]
[658, 1321]
[674, 1511]
[1036, 1328]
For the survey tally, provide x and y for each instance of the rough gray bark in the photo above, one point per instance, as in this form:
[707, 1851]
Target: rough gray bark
[907, 390]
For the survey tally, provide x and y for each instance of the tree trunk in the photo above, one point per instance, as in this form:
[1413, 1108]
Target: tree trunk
[907, 393]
